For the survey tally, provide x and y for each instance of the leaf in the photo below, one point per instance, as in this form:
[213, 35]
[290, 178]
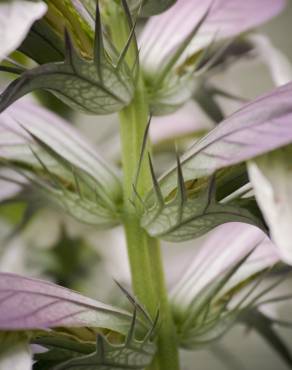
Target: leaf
[45, 150]
[15, 352]
[257, 128]
[30, 304]
[16, 18]
[189, 214]
[92, 86]
[271, 177]
[133, 353]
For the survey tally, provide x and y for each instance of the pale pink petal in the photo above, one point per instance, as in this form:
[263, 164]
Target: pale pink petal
[227, 18]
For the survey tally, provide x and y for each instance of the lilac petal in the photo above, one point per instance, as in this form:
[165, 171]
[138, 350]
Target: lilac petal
[34, 304]
[257, 128]
[227, 18]
[226, 246]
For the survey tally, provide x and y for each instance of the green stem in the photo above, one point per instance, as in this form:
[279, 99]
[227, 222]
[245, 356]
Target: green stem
[144, 252]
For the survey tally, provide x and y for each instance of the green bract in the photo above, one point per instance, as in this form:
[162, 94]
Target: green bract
[103, 84]
[57, 160]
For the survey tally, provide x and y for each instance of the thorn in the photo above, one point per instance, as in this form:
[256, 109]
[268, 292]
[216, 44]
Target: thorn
[131, 333]
[45, 168]
[182, 192]
[77, 183]
[211, 192]
[131, 37]
[156, 186]
[155, 326]
[133, 300]
[98, 42]
[100, 346]
[142, 153]
[69, 48]
[174, 58]
[138, 196]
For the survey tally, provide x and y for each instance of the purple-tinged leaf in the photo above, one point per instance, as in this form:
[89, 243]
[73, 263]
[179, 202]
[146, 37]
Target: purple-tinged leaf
[227, 18]
[257, 128]
[27, 304]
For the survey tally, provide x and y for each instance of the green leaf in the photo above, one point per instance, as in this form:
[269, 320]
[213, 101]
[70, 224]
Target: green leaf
[105, 355]
[189, 214]
[92, 86]
[257, 128]
[14, 351]
[48, 152]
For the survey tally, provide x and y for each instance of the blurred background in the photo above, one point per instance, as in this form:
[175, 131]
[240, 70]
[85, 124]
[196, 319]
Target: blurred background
[53, 246]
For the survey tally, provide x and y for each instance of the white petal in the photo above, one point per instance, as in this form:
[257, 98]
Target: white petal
[277, 62]
[16, 18]
[14, 352]
[271, 177]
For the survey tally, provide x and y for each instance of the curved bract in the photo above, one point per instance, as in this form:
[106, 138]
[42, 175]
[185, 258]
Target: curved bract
[81, 84]
[102, 336]
[49, 152]
[98, 85]
[182, 205]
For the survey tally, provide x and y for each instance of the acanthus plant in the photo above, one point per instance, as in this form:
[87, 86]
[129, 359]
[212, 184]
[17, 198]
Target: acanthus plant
[88, 55]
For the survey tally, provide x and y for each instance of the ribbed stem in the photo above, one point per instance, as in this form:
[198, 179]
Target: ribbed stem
[144, 252]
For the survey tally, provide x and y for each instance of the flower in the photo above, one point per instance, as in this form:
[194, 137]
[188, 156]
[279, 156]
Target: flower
[229, 259]
[51, 154]
[172, 43]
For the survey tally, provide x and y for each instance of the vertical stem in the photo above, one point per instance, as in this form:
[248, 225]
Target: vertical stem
[144, 252]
